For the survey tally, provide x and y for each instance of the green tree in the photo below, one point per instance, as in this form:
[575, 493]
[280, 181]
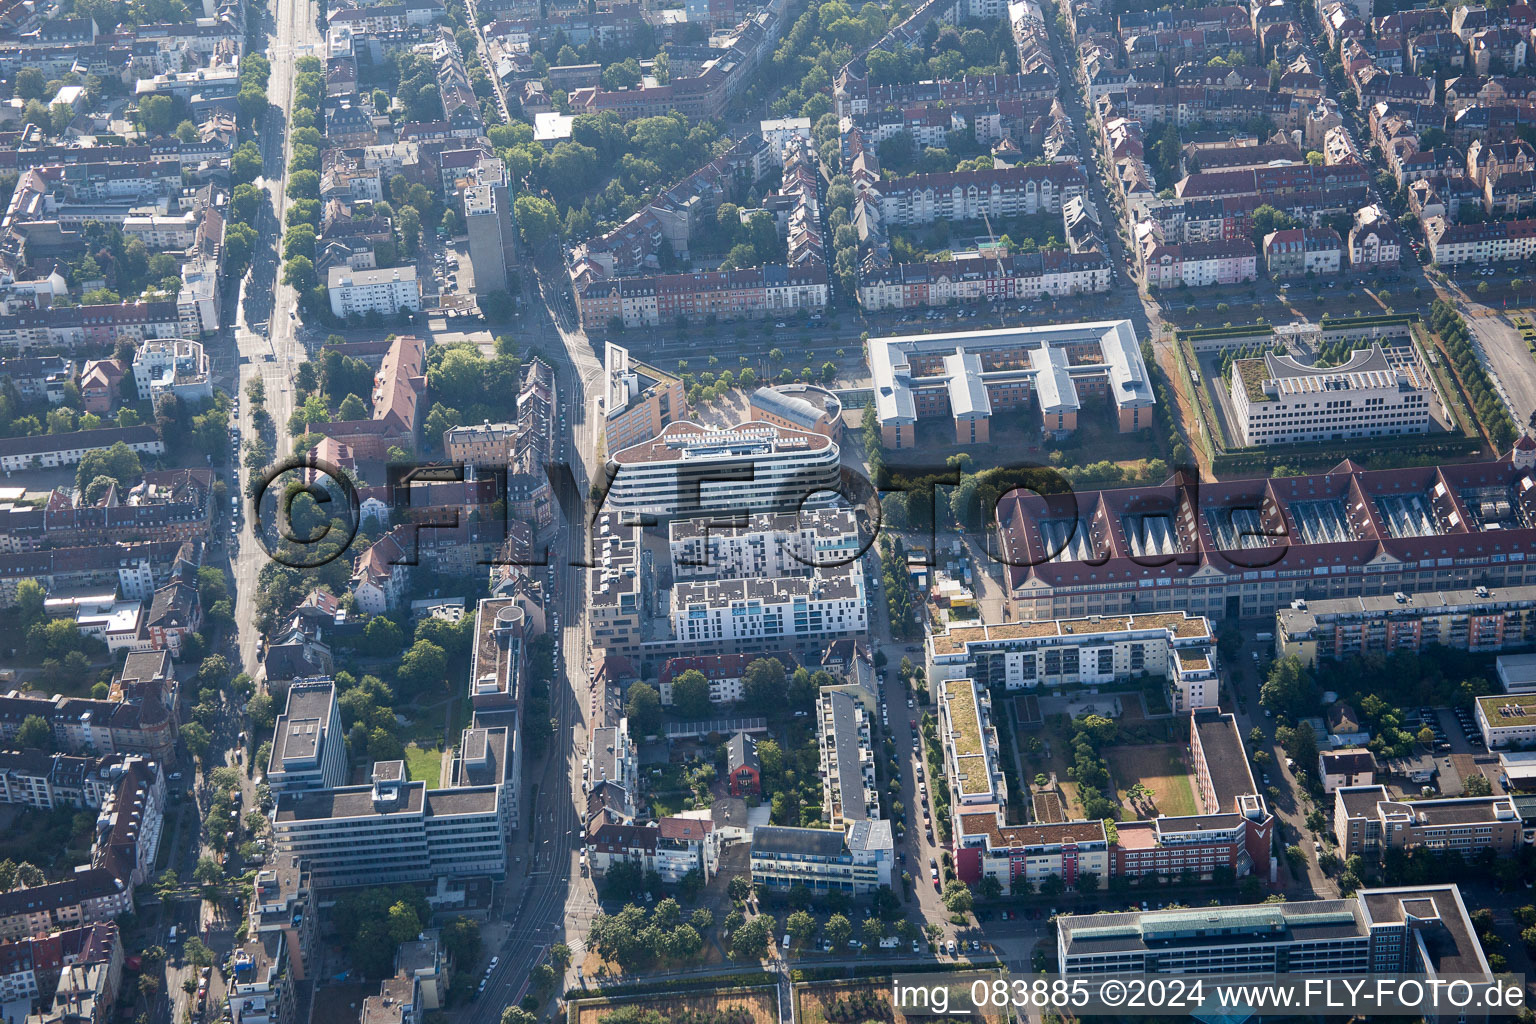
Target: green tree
[196, 739]
[352, 408]
[207, 871]
[381, 633]
[642, 704]
[764, 685]
[750, 941]
[838, 930]
[30, 597]
[197, 952]
[538, 219]
[957, 896]
[801, 927]
[263, 711]
[157, 114]
[404, 924]
[120, 462]
[690, 695]
[1287, 688]
[31, 84]
[35, 734]
[424, 665]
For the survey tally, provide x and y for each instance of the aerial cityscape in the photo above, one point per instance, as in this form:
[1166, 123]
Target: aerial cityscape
[767, 511]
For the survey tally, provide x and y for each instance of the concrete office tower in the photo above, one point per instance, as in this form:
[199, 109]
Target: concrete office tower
[488, 220]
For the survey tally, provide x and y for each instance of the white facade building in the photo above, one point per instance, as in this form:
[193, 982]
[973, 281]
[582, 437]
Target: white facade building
[393, 831]
[769, 544]
[172, 367]
[753, 467]
[1507, 720]
[829, 604]
[1378, 393]
[385, 290]
[1083, 652]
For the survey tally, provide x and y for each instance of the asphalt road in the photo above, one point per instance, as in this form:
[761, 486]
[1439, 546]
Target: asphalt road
[546, 899]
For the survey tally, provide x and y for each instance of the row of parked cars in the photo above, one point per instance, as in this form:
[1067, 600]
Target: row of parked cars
[487, 975]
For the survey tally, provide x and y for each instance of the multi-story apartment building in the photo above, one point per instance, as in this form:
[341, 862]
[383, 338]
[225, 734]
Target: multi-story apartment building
[386, 291]
[970, 375]
[1374, 241]
[1232, 830]
[847, 759]
[492, 755]
[689, 469]
[855, 96]
[614, 763]
[168, 367]
[1346, 766]
[672, 847]
[603, 272]
[277, 954]
[308, 746]
[481, 444]
[1378, 393]
[171, 505]
[69, 327]
[752, 292]
[33, 964]
[51, 451]
[1496, 241]
[1368, 821]
[393, 831]
[96, 727]
[1479, 619]
[767, 544]
[640, 400]
[1026, 276]
[723, 671]
[1082, 652]
[620, 590]
[1272, 181]
[1299, 252]
[90, 896]
[33, 778]
[1198, 264]
[1420, 930]
[826, 605]
[488, 223]
[971, 195]
[1249, 547]
[857, 861]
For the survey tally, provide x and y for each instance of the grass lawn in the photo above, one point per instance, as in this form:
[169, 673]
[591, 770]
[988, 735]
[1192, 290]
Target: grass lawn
[1161, 768]
[425, 764]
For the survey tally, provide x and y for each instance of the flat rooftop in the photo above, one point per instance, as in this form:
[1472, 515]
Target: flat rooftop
[688, 442]
[955, 639]
[964, 361]
[1225, 759]
[348, 802]
[1504, 711]
[1377, 607]
[1137, 931]
[301, 728]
